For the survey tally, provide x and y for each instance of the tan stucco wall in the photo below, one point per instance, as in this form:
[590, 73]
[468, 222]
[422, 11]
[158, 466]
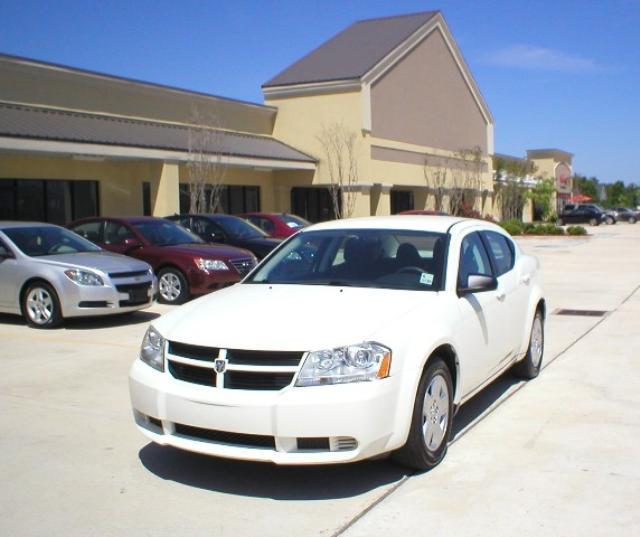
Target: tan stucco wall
[35, 83]
[119, 182]
[425, 100]
[301, 119]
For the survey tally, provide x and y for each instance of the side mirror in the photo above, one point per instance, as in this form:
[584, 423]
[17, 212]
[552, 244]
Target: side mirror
[477, 283]
[131, 244]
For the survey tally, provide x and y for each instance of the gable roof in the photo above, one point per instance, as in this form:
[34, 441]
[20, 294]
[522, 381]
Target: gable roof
[352, 52]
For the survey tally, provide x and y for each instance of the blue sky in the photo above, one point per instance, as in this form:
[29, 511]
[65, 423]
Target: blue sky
[562, 74]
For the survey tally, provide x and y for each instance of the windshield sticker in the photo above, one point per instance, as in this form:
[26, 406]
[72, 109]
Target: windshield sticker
[426, 278]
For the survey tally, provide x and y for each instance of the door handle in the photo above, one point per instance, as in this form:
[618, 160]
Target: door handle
[526, 278]
[501, 296]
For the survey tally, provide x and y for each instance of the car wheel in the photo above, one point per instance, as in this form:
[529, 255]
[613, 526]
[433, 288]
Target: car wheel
[431, 421]
[594, 222]
[632, 220]
[610, 220]
[40, 306]
[172, 286]
[529, 367]
[560, 222]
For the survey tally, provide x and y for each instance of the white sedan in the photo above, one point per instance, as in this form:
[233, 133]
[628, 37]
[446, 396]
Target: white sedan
[353, 339]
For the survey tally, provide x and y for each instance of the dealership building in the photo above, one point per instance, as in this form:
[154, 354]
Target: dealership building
[391, 99]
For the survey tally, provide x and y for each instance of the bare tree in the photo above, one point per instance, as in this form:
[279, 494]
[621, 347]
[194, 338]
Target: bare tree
[205, 168]
[435, 175]
[466, 181]
[340, 146]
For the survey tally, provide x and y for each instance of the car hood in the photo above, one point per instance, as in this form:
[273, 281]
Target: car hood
[103, 261]
[209, 251]
[289, 317]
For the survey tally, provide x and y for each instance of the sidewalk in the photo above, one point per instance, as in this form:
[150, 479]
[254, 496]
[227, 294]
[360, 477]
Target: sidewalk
[561, 458]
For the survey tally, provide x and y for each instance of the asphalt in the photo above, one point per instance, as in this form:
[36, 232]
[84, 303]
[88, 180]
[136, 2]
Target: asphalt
[558, 455]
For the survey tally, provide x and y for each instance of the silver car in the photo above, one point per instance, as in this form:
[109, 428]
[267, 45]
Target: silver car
[48, 273]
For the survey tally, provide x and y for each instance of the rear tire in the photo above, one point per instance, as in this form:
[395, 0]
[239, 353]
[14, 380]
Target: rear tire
[431, 420]
[41, 306]
[610, 221]
[172, 286]
[529, 367]
[632, 220]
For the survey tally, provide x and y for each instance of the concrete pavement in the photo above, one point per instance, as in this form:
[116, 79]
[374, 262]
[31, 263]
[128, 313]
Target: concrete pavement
[557, 455]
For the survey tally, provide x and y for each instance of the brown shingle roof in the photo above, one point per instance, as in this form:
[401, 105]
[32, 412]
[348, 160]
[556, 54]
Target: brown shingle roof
[353, 52]
[22, 121]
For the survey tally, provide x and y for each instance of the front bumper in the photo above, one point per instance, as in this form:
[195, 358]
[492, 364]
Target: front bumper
[291, 424]
[84, 300]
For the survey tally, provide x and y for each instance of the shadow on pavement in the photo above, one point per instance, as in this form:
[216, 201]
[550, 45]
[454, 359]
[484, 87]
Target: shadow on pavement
[474, 409]
[263, 480]
[110, 321]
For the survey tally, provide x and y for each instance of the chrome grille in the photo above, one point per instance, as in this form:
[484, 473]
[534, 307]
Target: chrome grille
[244, 265]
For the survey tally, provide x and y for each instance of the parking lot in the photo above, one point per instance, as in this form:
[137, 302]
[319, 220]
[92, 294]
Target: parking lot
[557, 456]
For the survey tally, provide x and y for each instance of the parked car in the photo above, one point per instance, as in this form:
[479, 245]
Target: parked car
[584, 214]
[411, 316]
[277, 225]
[228, 229]
[627, 215]
[184, 264]
[48, 273]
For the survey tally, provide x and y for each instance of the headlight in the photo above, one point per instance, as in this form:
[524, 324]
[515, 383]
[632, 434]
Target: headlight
[211, 264]
[355, 363]
[152, 349]
[83, 277]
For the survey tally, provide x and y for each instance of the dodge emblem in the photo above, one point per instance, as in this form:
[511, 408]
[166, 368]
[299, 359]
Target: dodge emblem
[220, 365]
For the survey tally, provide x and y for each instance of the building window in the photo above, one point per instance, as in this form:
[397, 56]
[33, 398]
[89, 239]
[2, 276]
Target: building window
[233, 199]
[312, 203]
[401, 200]
[55, 201]
[146, 198]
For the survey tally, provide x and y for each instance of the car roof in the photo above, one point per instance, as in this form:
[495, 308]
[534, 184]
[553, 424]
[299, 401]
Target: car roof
[438, 224]
[8, 224]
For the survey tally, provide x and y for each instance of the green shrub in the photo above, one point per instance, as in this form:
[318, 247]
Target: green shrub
[576, 230]
[512, 227]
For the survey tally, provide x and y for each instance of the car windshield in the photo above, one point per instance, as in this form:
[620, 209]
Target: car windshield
[381, 258]
[165, 233]
[240, 229]
[37, 241]
[294, 221]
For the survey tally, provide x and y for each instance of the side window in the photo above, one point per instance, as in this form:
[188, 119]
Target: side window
[184, 222]
[115, 233]
[473, 259]
[263, 224]
[91, 231]
[501, 250]
[204, 226]
[4, 251]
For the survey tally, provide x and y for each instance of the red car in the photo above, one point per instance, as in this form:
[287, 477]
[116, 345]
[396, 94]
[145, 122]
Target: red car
[184, 264]
[278, 225]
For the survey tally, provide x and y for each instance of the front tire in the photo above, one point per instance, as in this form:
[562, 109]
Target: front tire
[632, 220]
[529, 367]
[172, 286]
[594, 222]
[610, 221]
[41, 306]
[432, 418]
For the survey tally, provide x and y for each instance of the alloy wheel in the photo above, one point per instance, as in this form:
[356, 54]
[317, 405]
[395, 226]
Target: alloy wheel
[40, 305]
[435, 413]
[169, 286]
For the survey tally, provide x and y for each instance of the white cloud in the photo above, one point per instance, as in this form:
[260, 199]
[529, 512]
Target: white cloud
[541, 59]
